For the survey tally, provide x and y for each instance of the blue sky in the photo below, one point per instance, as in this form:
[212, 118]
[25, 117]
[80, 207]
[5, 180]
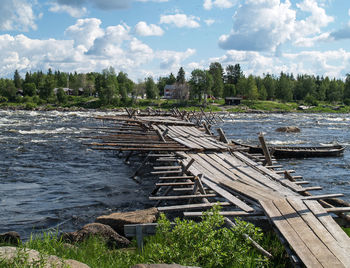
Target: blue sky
[156, 37]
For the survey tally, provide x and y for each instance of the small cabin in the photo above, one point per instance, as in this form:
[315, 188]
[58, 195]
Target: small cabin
[233, 100]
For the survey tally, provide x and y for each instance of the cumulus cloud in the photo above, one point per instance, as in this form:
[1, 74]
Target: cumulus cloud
[208, 4]
[180, 20]
[173, 59]
[264, 25]
[343, 33]
[17, 15]
[85, 32]
[88, 47]
[332, 63]
[73, 11]
[143, 29]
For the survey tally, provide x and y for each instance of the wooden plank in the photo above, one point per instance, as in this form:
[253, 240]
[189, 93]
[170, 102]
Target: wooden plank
[176, 177]
[338, 210]
[312, 188]
[169, 197]
[231, 198]
[320, 230]
[223, 213]
[167, 167]
[192, 206]
[323, 196]
[329, 223]
[315, 245]
[290, 234]
[174, 183]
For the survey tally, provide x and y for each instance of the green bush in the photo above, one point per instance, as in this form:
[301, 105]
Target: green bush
[205, 244]
[30, 105]
[3, 99]
[347, 101]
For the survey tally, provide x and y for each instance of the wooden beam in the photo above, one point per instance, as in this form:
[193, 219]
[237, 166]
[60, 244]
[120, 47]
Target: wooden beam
[174, 183]
[323, 196]
[180, 197]
[192, 206]
[224, 213]
[313, 188]
[176, 177]
[222, 136]
[265, 150]
[338, 210]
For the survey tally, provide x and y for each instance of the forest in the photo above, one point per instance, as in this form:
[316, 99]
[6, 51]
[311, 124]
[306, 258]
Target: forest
[113, 89]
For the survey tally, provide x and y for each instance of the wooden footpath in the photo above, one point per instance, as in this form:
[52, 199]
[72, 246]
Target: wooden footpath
[197, 170]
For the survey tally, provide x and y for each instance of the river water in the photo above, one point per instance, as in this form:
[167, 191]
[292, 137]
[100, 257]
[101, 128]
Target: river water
[50, 179]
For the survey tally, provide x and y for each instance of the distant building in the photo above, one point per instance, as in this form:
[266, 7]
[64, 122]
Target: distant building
[169, 91]
[69, 91]
[176, 91]
[233, 100]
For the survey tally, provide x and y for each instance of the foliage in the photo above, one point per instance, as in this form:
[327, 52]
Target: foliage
[61, 96]
[151, 89]
[205, 244]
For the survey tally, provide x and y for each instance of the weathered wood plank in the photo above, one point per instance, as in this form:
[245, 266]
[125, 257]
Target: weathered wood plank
[169, 197]
[231, 198]
[290, 234]
[192, 206]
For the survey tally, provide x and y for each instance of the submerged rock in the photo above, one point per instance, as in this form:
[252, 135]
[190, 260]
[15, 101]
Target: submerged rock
[119, 219]
[289, 129]
[37, 259]
[12, 238]
[112, 238]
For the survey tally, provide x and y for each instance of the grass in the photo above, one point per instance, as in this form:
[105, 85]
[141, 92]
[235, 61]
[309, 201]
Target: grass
[203, 244]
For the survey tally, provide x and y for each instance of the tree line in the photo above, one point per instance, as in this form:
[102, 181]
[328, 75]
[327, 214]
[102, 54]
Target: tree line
[216, 82]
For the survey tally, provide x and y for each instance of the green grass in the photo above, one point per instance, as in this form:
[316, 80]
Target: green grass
[203, 244]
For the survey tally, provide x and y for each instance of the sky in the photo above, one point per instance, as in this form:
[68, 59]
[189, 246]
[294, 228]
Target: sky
[155, 37]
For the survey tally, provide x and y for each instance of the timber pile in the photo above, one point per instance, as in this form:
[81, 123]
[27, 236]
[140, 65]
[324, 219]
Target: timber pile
[196, 171]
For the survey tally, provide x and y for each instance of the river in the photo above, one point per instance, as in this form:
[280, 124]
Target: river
[50, 179]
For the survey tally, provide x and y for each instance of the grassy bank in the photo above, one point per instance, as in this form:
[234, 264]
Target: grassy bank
[247, 106]
[203, 244]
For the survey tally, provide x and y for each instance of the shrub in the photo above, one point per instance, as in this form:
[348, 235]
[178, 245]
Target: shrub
[204, 244]
[347, 101]
[30, 106]
[3, 99]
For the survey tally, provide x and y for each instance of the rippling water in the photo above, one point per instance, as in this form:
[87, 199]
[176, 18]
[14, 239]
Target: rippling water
[49, 179]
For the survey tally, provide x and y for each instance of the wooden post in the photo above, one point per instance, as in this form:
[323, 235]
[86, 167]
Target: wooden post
[207, 129]
[160, 135]
[188, 165]
[266, 151]
[222, 136]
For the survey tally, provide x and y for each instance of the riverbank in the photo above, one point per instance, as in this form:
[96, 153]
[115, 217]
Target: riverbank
[80, 103]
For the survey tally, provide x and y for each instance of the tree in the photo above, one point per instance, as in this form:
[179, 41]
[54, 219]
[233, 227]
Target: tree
[201, 83]
[217, 72]
[171, 79]
[61, 96]
[270, 86]
[347, 87]
[46, 87]
[151, 89]
[229, 90]
[284, 90]
[29, 89]
[180, 78]
[233, 74]
[17, 80]
[8, 89]
[252, 89]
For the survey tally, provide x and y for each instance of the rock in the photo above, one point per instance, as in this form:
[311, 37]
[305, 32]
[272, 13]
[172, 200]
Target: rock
[112, 238]
[162, 266]
[119, 219]
[11, 238]
[290, 129]
[37, 259]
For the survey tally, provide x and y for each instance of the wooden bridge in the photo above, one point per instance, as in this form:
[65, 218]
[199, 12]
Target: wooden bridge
[197, 170]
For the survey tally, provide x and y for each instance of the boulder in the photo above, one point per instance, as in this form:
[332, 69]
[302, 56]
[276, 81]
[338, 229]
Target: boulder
[11, 238]
[161, 266]
[119, 219]
[290, 129]
[37, 259]
[112, 238]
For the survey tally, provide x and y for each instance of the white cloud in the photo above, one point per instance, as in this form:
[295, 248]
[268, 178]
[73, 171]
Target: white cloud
[17, 15]
[264, 25]
[208, 4]
[143, 29]
[349, 12]
[332, 63]
[73, 11]
[209, 22]
[173, 59]
[310, 41]
[180, 20]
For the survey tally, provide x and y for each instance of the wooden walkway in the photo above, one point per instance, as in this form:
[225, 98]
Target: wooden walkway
[196, 171]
